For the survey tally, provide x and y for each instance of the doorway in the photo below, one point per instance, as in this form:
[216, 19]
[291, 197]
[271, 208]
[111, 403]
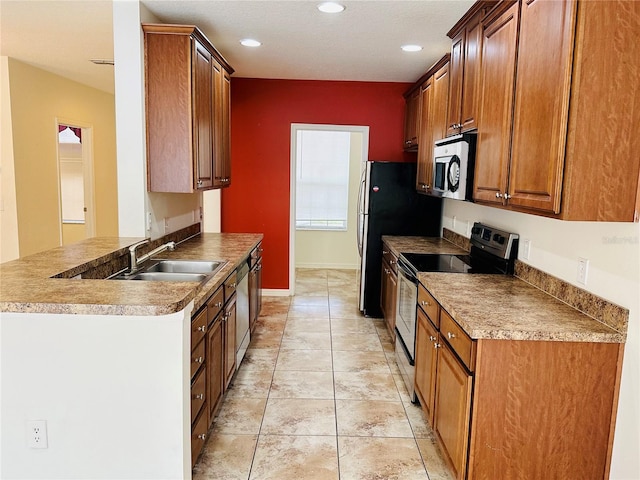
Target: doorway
[75, 182]
[326, 161]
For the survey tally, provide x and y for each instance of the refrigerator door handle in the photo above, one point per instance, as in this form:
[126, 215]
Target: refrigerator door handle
[361, 212]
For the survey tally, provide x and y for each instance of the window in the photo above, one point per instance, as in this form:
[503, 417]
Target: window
[322, 179]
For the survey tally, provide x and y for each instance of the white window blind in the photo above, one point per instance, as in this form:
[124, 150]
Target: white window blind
[322, 179]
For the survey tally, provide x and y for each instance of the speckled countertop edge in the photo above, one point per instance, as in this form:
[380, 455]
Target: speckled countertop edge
[26, 285]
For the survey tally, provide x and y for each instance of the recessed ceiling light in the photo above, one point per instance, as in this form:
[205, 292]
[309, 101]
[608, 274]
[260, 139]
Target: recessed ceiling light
[330, 7]
[411, 48]
[250, 42]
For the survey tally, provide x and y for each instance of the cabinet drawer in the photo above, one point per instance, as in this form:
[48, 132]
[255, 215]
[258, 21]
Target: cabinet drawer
[198, 326]
[198, 393]
[198, 436]
[390, 258]
[215, 304]
[429, 305]
[460, 342]
[197, 358]
[230, 286]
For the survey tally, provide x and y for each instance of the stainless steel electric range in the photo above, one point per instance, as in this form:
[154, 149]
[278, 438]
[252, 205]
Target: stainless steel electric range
[493, 251]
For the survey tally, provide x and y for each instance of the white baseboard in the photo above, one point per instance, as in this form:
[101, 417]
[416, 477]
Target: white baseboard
[328, 266]
[276, 292]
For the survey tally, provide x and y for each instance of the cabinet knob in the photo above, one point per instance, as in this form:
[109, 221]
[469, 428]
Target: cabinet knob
[199, 183]
[202, 436]
[407, 142]
[432, 338]
[507, 196]
[202, 328]
[384, 252]
[391, 262]
[218, 304]
[198, 360]
[199, 396]
[233, 285]
[436, 345]
[425, 303]
[498, 195]
[451, 335]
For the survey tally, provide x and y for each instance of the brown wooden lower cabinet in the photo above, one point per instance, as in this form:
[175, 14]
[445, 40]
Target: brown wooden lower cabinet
[517, 409]
[229, 338]
[388, 297]
[215, 361]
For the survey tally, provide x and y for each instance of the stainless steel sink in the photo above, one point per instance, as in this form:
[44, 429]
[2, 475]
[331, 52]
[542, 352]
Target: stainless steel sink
[184, 266]
[164, 270]
[169, 277]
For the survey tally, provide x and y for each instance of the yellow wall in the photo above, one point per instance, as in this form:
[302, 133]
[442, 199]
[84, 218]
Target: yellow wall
[37, 99]
[326, 249]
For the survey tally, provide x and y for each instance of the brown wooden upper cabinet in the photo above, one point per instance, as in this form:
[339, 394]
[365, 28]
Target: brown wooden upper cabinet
[556, 131]
[412, 120]
[464, 69]
[433, 117]
[187, 110]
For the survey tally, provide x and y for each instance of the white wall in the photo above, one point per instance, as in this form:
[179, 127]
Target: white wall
[114, 392]
[9, 245]
[140, 214]
[613, 251]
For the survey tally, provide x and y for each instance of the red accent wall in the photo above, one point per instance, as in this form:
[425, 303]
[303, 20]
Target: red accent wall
[262, 111]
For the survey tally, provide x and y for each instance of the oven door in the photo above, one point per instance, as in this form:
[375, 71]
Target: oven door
[406, 309]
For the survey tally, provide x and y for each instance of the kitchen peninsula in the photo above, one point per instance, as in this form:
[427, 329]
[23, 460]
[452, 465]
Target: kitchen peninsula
[106, 363]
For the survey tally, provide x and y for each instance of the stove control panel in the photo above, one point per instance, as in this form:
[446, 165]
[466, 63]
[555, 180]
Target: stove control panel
[500, 243]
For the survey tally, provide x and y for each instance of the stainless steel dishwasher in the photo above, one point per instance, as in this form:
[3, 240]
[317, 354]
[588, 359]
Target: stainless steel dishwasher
[242, 313]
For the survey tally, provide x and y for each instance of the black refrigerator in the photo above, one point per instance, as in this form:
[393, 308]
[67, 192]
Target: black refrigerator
[388, 204]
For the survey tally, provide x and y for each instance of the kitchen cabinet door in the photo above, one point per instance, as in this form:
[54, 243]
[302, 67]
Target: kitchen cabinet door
[255, 294]
[457, 75]
[471, 74]
[388, 298]
[500, 34]
[545, 54]
[412, 120]
[425, 149]
[215, 365]
[203, 116]
[440, 104]
[229, 333]
[426, 361]
[223, 128]
[452, 409]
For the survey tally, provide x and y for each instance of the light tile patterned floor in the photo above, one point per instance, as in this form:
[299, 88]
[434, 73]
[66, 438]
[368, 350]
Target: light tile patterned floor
[319, 396]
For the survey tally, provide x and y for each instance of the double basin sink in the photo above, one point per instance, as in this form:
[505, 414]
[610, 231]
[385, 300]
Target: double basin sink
[174, 271]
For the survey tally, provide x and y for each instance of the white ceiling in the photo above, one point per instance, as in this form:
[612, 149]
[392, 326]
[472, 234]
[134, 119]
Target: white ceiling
[299, 42]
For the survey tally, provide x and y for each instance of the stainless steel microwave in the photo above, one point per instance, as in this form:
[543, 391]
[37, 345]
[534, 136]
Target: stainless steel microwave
[453, 163]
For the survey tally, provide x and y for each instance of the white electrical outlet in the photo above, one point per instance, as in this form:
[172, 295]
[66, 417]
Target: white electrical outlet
[37, 434]
[583, 270]
[526, 249]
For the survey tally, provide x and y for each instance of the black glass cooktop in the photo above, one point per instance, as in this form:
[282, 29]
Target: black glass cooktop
[424, 262]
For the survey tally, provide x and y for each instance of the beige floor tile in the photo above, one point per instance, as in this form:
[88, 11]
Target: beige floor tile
[372, 386]
[371, 418]
[402, 387]
[226, 457]
[250, 383]
[292, 416]
[344, 310]
[352, 325]
[294, 384]
[360, 342]
[240, 416]
[312, 273]
[307, 341]
[311, 289]
[309, 301]
[305, 360]
[343, 301]
[363, 458]
[308, 311]
[295, 458]
[393, 364]
[265, 339]
[433, 460]
[385, 337]
[353, 361]
[275, 305]
[388, 346]
[260, 359]
[344, 293]
[419, 425]
[317, 325]
[271, 323]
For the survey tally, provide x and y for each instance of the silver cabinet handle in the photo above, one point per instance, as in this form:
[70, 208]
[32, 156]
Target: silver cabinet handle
[202, 328]
[451, 335]
[202, 436]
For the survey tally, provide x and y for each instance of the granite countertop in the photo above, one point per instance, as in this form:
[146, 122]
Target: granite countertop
[26, 285]
[501, 306]
[400, 244]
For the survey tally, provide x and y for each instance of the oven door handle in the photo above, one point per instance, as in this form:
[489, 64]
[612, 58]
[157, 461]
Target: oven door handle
[404, 348]
[406, 273]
